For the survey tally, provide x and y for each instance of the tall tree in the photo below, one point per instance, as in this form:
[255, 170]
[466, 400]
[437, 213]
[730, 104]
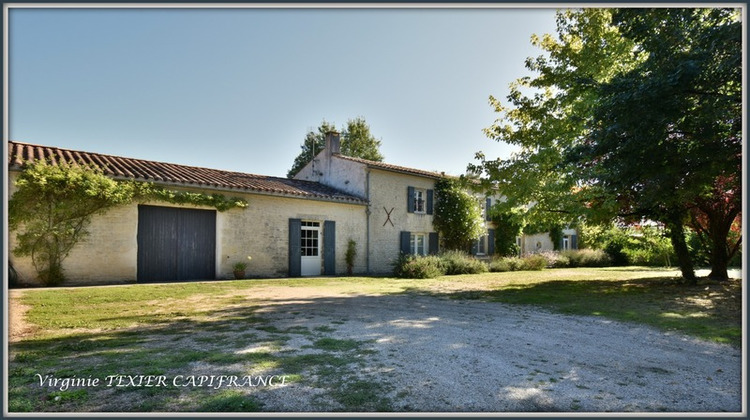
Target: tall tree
[667, 135]
[356, 141]
[623, 116]
[359, 142]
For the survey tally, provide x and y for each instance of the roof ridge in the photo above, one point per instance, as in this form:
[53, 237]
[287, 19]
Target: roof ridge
[65, 149]
[391, 166]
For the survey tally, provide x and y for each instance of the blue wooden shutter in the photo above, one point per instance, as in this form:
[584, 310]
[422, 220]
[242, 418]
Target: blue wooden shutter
[329, 247]
[405, 242]
[434, 246]
[430, 194]
[295, 248]
[410, 199]
[487, 206]
[490, 241]
[573, 241]
[475, 247]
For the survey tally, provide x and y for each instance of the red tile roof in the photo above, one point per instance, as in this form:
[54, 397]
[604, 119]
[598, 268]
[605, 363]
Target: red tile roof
[174, 174]
[395, 168]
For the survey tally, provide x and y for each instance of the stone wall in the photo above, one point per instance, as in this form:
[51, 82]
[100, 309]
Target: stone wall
[388, 193]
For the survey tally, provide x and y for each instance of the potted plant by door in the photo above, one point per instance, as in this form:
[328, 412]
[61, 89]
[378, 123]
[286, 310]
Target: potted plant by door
[239, 269]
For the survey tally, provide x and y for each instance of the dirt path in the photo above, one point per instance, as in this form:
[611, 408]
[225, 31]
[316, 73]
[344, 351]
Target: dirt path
[18, 328]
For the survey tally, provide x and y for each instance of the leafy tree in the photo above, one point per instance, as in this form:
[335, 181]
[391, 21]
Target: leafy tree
[666, 135]
[458, 216]
[634, 113]
[359, 142]
[356, 141]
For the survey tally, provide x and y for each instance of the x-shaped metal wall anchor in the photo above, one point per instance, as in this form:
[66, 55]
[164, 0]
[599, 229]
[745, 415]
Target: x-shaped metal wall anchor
[388, 218]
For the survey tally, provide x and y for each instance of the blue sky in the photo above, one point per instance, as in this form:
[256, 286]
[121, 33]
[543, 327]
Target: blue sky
[238, 89]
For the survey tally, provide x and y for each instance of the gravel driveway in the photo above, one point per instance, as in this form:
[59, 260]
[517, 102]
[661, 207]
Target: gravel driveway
[434, 354]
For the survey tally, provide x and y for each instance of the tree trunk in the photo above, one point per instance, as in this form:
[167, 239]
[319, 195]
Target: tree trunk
[719, 253]
[677, 236]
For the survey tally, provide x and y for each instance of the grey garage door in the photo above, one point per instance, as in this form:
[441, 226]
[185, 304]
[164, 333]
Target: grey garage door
[176, 244]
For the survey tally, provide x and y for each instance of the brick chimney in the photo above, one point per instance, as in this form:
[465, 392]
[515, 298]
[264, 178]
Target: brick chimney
[333, 143]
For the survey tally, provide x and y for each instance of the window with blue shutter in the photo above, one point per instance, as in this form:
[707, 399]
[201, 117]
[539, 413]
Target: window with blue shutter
[410, 199]
[434, 244]
[405, 242]
[295, 248]
[329, 247]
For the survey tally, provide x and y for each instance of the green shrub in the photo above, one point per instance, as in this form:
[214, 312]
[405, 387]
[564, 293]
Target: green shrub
[648, 257]
[555, 259]
[457, 262]
[506, 264]
[533, 262]
[417, 267]
[616, 254]
[587, 258]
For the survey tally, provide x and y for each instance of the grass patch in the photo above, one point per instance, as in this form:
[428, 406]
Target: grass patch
[336, 345]
[230, 401]
[359, 395]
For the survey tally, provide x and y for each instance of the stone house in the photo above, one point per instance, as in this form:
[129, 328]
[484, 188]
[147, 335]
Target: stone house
[291, 227]
[401, 201]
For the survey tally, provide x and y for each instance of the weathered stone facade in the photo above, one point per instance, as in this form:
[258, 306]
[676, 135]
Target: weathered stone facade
[109, 253]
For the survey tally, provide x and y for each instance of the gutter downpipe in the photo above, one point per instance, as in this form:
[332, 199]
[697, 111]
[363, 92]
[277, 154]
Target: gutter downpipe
[367, 212]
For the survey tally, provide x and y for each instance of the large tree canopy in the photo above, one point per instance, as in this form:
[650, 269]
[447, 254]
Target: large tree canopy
[633, 113]
[356, 141]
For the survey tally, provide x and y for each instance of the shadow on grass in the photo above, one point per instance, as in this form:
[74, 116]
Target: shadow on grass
[710, 310]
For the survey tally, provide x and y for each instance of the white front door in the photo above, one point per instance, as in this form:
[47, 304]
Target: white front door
[310, 245]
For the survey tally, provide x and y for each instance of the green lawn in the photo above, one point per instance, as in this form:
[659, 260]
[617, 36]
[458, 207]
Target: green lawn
[167, 329]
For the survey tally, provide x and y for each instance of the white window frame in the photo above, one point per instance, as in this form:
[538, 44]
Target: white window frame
[420, 201]
[566, 242]
[416, 247]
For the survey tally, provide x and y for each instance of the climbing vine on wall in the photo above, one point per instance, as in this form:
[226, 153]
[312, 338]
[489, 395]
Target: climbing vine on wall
[217, 201]
[54, 204]
[509, 224]
[458, 216]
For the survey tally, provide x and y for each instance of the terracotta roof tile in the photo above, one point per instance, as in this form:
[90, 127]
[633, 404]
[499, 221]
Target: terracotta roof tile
[170, 173]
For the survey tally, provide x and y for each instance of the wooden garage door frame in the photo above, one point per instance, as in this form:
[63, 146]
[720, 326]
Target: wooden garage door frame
[176, 244]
